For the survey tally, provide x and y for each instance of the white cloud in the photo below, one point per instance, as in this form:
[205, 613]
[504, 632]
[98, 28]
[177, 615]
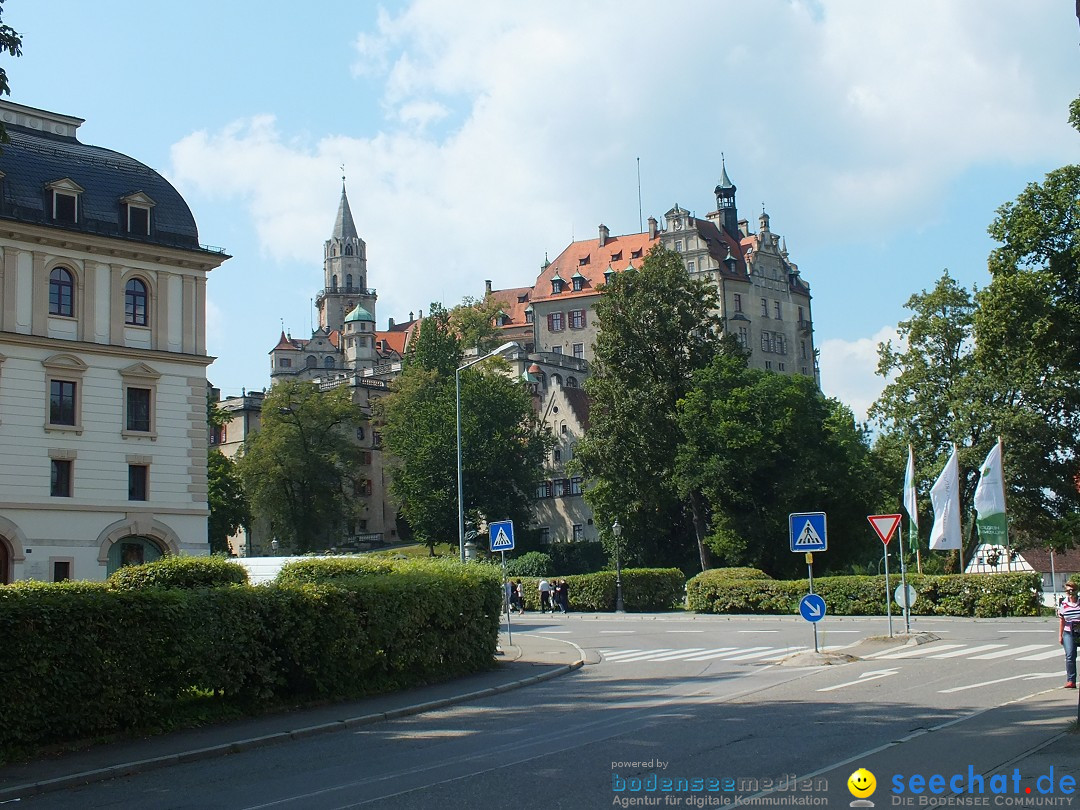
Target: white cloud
[849, 370]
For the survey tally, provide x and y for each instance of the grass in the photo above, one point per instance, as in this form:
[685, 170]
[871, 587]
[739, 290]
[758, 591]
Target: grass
[420, 550]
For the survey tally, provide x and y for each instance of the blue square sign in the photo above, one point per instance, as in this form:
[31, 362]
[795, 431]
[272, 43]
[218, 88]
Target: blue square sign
[501, 535]
[808, 531]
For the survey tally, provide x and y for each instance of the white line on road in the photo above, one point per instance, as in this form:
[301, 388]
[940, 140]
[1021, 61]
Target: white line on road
[967, 651]
[922, 649]
[1041, 656]
[1010, 651]
[636, 656]
[1033, 676]
[873, 675]
[721, 652]
[749, 656]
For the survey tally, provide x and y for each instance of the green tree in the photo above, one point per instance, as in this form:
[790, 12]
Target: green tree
[228, 504]
[302, 470]
[11, 42]
[503, 444]
[657, 326]
[761, 445]
[1028, 350]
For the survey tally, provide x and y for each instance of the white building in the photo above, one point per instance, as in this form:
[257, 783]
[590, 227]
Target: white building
[103, 430]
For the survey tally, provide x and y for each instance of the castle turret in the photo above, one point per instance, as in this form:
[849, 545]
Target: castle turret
[725, 203]
[344, 271]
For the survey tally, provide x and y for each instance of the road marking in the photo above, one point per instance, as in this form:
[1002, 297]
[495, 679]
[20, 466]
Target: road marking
[684, 631]
[1010, 651]
[638, 656]
[749, 656]
[968, 651]
[922, 649]
[1041, 656]
[721, 652]
[872, 675]
[674, 655]
[1031, 677]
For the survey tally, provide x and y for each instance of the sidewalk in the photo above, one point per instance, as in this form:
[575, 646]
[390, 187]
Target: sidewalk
[530, 660]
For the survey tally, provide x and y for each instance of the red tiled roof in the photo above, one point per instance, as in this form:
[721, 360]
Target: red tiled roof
[1067, 562]
[512, 307]
[588, 259]
[393, 341]
[288, 344]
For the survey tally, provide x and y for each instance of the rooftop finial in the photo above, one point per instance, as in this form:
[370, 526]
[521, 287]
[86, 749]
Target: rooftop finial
[342, 176]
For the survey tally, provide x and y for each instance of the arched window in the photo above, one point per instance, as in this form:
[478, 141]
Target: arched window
[328, 362]
[571, 382]
[312, 361]
[556, 378]
[348, 250]
[333, 282]
[135, 302]
[348, 281]
[61, 292]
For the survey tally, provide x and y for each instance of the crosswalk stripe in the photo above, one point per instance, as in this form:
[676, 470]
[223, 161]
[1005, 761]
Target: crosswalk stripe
[724, 654]
[1013, 651]
[1042, 656]
[968, 651]
[768, 651]
[922, 649]
[616, 653]
[639, 656]
[675, 655]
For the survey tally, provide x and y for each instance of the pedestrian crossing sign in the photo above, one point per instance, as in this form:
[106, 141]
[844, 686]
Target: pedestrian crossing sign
[501, 535]
[807, 530]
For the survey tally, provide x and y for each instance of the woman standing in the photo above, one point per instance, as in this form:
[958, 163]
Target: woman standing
[1068, 630]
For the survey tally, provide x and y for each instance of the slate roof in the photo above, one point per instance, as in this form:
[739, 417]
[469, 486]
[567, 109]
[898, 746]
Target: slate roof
[35, 158]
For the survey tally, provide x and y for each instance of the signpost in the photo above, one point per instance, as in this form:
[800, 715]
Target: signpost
[501, 537]
[884, 526]
[807, 533]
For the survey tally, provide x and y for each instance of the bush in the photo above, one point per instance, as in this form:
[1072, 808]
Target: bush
[977, 595]
[644, 589]
[532, 564]
[327, 569]
[180, 571]
[577, 558]
[92, 659]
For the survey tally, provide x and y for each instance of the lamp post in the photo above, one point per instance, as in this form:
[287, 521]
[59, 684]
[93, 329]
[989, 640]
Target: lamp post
[616, 530]
[457, 398]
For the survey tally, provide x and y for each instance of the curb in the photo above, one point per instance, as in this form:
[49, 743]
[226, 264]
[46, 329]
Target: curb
[16, 792]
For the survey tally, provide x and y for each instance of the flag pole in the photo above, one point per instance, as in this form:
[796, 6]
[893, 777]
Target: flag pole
[1008, 542]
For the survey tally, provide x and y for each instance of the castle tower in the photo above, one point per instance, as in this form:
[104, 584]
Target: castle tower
[344, 272]
[725, 203]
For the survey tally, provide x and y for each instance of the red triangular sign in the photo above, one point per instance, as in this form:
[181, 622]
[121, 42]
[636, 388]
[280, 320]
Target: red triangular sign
[884, 526]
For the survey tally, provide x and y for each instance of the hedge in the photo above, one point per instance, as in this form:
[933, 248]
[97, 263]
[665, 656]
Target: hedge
[175, 571]
[90, 660]
[644, 589]
[976, 595]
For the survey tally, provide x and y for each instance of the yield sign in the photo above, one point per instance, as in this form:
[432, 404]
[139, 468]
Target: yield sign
[884, 526]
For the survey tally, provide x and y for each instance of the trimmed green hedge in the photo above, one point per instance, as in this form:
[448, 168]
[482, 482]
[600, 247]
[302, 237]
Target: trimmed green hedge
[644, 589]
[179, 572]
[325, 569]
[89, 660]
[977, 595]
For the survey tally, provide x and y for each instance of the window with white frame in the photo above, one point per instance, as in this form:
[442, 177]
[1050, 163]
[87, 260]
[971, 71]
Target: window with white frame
[579, 350]
[555, 322]
[61, 292]
[577, 319]
[578, 533]
[135, 302]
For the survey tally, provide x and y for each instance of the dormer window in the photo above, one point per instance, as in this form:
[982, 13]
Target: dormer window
[556, 285]
[529, 314]
[636, 254]
[64, 200]
[584, 260]
[616, 257]
[136, 213]
[578, 281]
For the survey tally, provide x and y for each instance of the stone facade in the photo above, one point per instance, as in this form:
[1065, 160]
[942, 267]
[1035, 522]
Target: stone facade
[102, 358]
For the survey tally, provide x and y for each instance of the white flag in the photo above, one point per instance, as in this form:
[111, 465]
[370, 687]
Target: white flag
[945, 498]
[990, 493]
[909, 488]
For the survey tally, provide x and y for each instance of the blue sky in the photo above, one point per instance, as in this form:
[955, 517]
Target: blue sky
[479, 135]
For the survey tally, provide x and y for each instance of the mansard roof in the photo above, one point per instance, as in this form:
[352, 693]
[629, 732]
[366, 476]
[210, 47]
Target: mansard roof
[44, 150]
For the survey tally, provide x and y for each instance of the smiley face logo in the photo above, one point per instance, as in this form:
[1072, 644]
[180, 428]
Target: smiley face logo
[862, 783]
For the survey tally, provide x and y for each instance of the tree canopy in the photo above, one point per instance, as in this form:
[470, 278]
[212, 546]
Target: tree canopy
[11, 42]
[502, 443]
[657, 326]
[303, 470]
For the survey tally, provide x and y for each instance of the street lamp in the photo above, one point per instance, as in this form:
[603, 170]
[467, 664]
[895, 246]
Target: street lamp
[616, 530]
[457, 394]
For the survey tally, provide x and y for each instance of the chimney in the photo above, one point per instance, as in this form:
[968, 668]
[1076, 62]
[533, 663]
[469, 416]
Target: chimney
[604, 233]
[411, 318]
[391, 324]
[652, 227]
[487, 287]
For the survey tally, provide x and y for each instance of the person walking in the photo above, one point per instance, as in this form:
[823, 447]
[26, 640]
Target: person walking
[545, 596]
[562, 596]
[519, 597]
[1068, 631]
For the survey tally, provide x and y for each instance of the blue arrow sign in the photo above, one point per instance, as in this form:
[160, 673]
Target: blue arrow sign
[812, 607]
[501, 535]
[808, 531]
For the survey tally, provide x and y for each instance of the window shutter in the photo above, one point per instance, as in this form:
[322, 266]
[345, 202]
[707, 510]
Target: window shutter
[551, 323]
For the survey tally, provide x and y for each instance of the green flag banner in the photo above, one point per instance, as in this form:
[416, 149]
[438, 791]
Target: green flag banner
[993, 529]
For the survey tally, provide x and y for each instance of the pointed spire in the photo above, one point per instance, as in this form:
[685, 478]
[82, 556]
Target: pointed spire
[344, 227]
[725, 181]
[783, 246]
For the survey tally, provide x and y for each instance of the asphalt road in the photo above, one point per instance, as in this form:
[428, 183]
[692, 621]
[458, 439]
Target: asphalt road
[680, 699]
